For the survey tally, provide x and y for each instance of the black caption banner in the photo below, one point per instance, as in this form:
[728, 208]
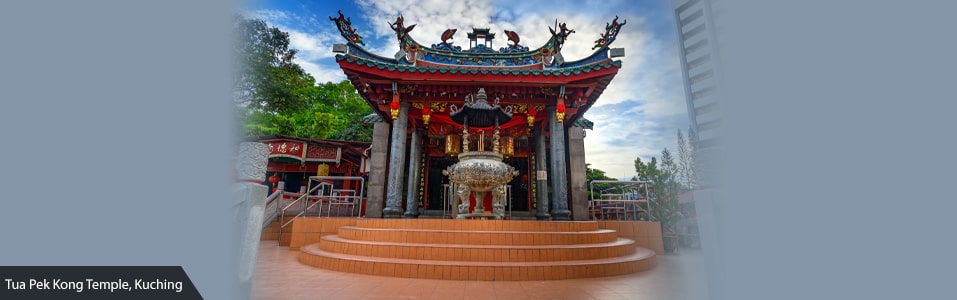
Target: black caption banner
[96, 282]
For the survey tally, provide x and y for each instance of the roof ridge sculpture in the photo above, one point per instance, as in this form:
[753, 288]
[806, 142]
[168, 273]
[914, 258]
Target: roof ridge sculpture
[345, 29]
[514, 55]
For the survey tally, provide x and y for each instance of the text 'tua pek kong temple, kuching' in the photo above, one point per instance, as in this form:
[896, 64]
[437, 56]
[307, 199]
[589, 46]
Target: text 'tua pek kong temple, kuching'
[516, 112]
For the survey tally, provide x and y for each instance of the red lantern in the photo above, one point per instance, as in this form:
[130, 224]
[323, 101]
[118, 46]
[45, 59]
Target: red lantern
[560, 111]
[274, 179]
[395, 107]
[426, 115]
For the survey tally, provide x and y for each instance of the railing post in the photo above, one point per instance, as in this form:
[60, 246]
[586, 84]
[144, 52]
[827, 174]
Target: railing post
[249, 206]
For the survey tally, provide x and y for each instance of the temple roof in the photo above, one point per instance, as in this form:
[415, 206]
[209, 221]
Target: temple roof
[443, 76]
[513, 55]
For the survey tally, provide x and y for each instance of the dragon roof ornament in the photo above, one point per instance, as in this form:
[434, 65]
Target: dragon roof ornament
[402, 33]
[480, 55]
[345, 29]
[611, 32]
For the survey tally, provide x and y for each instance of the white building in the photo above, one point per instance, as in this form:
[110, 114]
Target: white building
[697, 42]
[700, 68]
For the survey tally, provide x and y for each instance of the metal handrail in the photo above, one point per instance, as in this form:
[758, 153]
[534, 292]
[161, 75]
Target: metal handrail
[303, 198]
[282, 215]
[624, 188]
[447, 200]
[324, 189]
[358, 200]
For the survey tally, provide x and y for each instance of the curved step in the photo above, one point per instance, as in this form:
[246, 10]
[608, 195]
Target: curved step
[468, 252]
[478, 225]
[471, 237]
[641, 259]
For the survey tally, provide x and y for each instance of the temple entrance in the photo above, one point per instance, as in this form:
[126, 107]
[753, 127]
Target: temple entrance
[438, 182]
[519, 184]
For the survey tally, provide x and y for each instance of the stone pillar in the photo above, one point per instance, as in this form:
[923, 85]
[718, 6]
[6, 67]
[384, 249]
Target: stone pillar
[541, 186]
[576, 178]
[415, 158]
[393, 198]
[558, 173]
[249, 207]
[378, 158]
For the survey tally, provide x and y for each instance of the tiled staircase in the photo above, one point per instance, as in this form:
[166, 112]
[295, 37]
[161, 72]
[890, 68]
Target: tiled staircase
[271, 233]
[477, 250]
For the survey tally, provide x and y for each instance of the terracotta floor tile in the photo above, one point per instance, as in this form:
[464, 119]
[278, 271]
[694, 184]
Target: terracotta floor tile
[447, 294]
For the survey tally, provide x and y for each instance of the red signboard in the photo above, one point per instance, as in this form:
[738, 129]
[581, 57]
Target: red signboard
[291, 149]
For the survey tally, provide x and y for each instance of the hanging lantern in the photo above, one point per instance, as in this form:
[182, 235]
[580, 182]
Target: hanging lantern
[508, 146]
[274, 179]
[394, 106]
[560, 111]
[322, 170]
[453, 144]
[530, 116]
[426, 115]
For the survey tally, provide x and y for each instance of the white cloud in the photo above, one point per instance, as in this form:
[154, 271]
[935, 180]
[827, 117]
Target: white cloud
[626, 130]
[313, 48]
[268, 15]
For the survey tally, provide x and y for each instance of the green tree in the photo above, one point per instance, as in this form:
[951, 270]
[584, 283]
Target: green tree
[267, 78]
[333, 111]
[274, 95]
[686, 161]
[344, 109]
[664, 190]
[592, 175]
[668, 163]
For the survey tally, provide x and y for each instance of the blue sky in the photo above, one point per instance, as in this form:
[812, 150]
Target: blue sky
[637, 116]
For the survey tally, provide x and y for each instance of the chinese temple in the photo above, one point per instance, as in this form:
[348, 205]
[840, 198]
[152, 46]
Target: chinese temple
[472, 151]
[517, 110]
